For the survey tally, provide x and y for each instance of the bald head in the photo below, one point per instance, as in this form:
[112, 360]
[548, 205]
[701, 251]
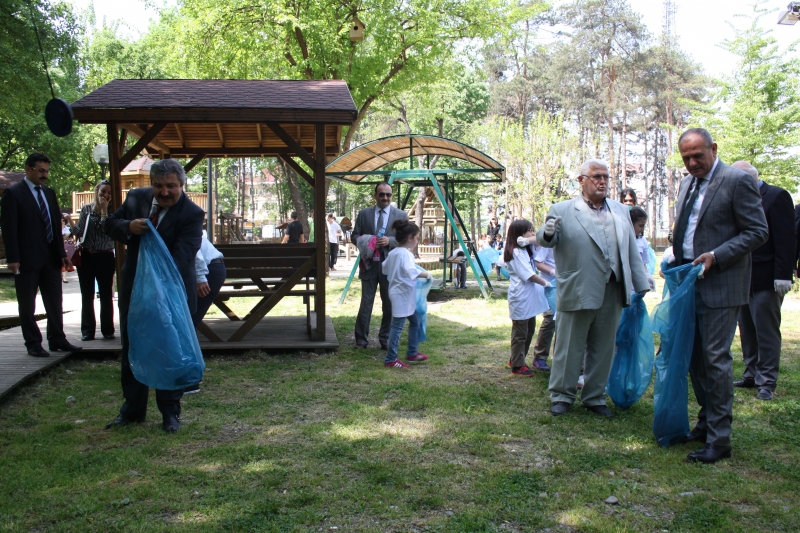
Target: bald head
[747, 167]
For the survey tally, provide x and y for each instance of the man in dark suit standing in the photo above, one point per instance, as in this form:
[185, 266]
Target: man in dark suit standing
[760, 318]
[719, 221]
[31, 222]
[375, 221]
[179, 222]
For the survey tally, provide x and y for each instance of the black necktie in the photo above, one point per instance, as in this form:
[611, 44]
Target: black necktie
[680, 230]
[45, 214]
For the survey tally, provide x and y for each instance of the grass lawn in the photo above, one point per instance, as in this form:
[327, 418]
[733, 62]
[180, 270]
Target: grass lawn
[335, 442]
[7, 291]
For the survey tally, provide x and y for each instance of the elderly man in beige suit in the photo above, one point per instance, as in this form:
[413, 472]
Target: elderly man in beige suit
[598, 268]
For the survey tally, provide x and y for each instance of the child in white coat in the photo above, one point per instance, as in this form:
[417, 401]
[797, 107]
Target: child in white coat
[402, 272]
[526, 297]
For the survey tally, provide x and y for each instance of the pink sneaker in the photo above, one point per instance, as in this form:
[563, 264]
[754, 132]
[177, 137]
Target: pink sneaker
[397, 363]
[418, 358]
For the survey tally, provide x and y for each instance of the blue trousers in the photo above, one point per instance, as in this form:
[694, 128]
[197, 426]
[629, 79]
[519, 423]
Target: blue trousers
[394, 336]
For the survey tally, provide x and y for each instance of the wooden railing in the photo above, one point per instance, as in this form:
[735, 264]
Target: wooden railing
[80, 199]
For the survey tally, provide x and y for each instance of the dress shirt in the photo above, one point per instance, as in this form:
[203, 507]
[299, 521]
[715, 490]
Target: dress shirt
[385, 218]
[691, 223]
[205, 255]
[333, 232]
[161, 214]
[36, 196]
[96, 238]
[599, 211]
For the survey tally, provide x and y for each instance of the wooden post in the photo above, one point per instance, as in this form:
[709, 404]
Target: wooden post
[115, 179]
[320, 161]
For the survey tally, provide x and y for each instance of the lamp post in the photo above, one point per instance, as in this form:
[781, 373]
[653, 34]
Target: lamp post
[100, 156]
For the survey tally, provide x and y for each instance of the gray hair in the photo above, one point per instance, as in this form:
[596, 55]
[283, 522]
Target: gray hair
[161, 169]
[592, 162]
[747, 167]
[702, 132]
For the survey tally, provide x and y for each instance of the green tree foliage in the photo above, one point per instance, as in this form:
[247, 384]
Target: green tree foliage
[759, 120]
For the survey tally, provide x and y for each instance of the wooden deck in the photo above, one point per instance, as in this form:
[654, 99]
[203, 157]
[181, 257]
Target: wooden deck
[284, 333]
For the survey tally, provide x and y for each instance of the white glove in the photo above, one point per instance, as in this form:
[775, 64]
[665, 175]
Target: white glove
[522, 241]
[546, 284]
[651, 282]
[550, 226]
[782, 286]
[669, 256]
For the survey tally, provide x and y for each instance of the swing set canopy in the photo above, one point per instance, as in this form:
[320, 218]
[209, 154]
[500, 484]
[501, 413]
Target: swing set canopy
[368, 158]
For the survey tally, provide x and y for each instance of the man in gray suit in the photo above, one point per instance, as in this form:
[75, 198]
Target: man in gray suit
[598, 267]
[718, 222]
[376, 220]
[760, 318]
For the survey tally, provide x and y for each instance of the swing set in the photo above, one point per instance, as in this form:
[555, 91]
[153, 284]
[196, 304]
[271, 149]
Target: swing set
[368, 160]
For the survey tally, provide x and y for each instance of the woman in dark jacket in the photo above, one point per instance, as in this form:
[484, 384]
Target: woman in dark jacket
[492, 230]
[97, 264]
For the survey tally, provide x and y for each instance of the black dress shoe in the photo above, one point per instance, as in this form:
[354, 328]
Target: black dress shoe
[559, 408]
[87, 338]
[764, 394]
[709, 454]
[109, 337]
[361, 346]
[745, 383]
[601, 410]
[698, 435]
[64, 346]
[384, 346]
[121, 421]
[38, 352]
[171, 424]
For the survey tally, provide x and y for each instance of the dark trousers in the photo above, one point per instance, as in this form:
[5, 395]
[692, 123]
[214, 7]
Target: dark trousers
[461, 274]
[334, 254]
[370, 281]
[521, 337]
[760, 332]
[541, 350]
[48, 281]
[99, 267]
[135, 392]
[711, 369]
[215, 278]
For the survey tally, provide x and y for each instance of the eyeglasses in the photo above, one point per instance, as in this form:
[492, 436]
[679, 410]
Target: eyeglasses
[385, 194]
[597, 177]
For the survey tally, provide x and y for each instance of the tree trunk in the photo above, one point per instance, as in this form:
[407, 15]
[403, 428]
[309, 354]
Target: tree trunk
[624, 151]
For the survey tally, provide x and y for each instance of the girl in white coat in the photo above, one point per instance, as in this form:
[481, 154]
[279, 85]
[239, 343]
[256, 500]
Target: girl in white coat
[402, 272]
[526, 297]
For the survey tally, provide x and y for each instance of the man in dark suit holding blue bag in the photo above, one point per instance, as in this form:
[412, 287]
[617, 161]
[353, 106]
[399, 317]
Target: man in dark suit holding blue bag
[179, 222]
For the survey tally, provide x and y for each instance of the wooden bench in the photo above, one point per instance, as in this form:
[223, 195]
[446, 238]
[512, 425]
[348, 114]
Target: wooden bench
[270, 272]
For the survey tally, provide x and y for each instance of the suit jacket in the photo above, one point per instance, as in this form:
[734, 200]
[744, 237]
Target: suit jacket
[732, 224]
[775, 258]
[580, 264]
[25, 230]
[182, 231]
[365, 225]
[797, 233]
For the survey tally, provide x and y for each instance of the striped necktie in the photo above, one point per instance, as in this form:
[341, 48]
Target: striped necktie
[45, 214]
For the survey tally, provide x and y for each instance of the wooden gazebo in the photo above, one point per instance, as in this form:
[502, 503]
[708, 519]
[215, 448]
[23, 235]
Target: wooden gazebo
[298, 121]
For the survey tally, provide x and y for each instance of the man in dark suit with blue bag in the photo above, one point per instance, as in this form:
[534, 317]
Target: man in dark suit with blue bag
[179, 222]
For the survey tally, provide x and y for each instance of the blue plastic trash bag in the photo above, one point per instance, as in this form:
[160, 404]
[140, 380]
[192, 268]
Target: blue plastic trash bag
[487, 258]
[674, 320]
[632, 368]
[550, 294]
[423, 288]
[651, 263]
[164, 352]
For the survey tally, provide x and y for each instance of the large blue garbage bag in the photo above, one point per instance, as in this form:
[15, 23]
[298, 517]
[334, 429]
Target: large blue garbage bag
[164, 352]
[423, 288]
[674, 320]
[632, 368]
[550, 294]
[651, 263]
[488, 257]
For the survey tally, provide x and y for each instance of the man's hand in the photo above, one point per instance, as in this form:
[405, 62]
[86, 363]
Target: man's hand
[707, 259]
[782, 286]
[652, 283]
[203, 289]
[102, 204]
[14, 268]
[66, 263]
[382, 241]
[550, 226]
[138, 226]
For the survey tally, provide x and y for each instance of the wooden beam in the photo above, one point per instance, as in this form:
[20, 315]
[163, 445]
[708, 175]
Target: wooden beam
[263, 308]
[138, 131]
[260, 136]
[221, 136]
[123, 138]
[193, 163]
[203, 328]
[180, 134]
[212, 115]
[293, 145]
[115, 180]
[255, 151]
[297, 168]
[143, 141]
[320, 195]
